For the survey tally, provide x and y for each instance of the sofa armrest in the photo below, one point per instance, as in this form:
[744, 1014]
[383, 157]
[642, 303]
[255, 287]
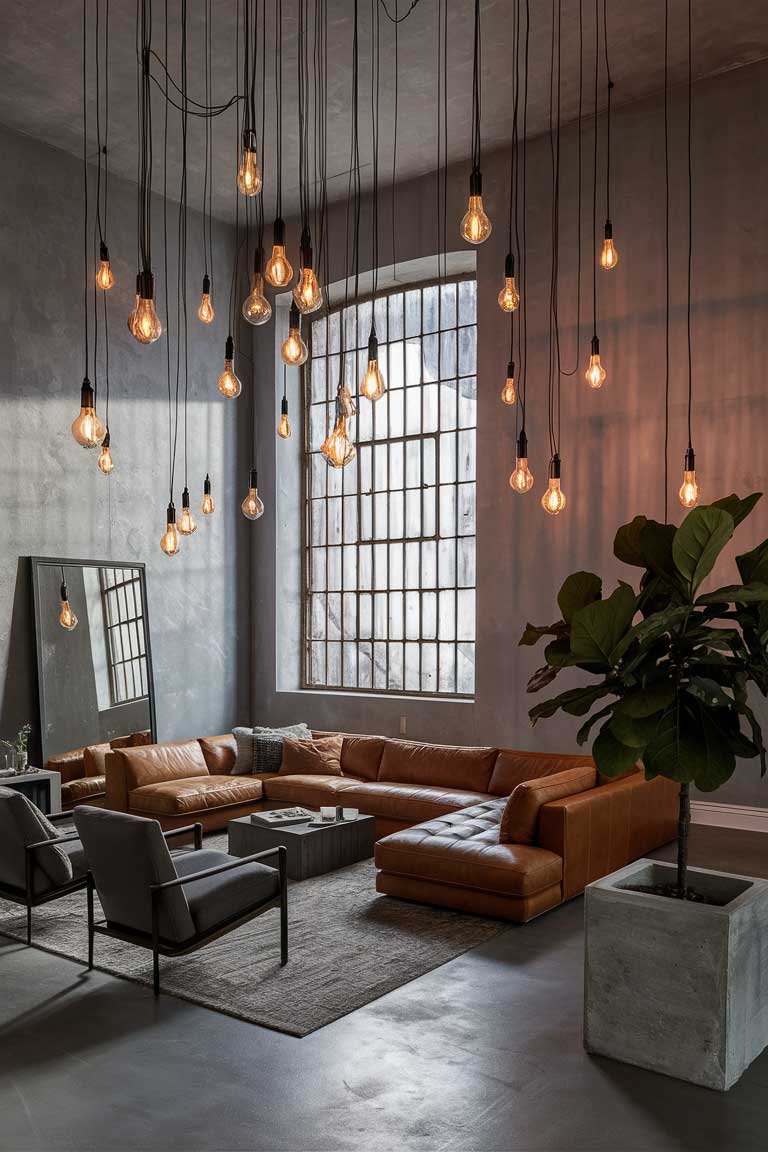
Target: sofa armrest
[599, 831]
[116, 783]
[69, 765]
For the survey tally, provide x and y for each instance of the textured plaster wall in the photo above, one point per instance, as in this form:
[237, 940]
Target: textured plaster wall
[612, 441]
[55, 501]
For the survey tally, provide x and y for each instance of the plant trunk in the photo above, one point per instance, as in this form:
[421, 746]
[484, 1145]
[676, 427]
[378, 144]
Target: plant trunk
[683, 824]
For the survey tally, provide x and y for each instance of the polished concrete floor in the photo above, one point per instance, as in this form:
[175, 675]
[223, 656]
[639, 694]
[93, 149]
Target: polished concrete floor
[484, 1053]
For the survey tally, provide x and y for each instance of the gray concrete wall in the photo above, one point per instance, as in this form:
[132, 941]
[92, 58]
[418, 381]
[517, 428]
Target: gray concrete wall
[56, 502]
[612, 441]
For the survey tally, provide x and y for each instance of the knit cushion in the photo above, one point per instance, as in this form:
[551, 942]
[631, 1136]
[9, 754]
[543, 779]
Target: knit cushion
[261, 749]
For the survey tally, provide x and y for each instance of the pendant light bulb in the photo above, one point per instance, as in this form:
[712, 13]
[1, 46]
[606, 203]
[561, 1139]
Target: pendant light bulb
[279, 271]
[249, 173]
[337, 447]
[689, 489]
[373, 386]
[256, 308]
[508, 394]
[609, 257]
[521, 479]
[205, 311]
[105, 461]
[186, 524]
[252, 507]
[595, 373]
[553, 501]
[509, 297]
[169, 541]
[87, 429]
[284, 428]
[294, 351]
[228, 383]
[207, 505]
[306, 294]
[105, 277]
[67, 618]
[145, 324]
[475, 226]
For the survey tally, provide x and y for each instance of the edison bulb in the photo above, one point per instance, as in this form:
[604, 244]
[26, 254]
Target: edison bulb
[373, 386]
[205, 311]
[252, 507]
[294, 351]
[67, 618]
[105, 461]
[306, 294]
[256, 308]
[87, 429]
[595, 373]
[146, 323]
[284, 428]
[131, 321]
[169, 541]
[509, 297]
[347, 403]
[249, 173]
[337, 446]
[279, 271]
[689, 490]
[521, 479]
[609, 257]
[105, 277]
[207, 505]
[553, 501]
[186, 524]
[228, 383]
[508, 394]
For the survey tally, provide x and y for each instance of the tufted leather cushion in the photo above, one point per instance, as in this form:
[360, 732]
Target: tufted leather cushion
[310, 791]
[320, 757]
[159, 762]
[437, 765]
[520, 821]
[220, 753]
[94, 757]
[513, 768]
[462, 848]
[410, 803]
[78, 791]
[198, 794]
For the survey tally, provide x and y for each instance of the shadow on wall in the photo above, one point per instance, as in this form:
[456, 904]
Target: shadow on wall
[19, 703]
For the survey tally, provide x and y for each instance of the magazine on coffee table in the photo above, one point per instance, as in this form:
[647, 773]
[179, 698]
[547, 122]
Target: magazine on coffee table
[282, 817]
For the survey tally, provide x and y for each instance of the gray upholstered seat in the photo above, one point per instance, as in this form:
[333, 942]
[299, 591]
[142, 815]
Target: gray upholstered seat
[216, 899]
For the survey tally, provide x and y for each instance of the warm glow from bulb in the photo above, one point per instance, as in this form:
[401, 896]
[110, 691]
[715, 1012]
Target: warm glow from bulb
[228, 384]
[146, 325]
[307, 295]
[284, 428]
[105, 277]
[256, 308]
[595, 373]
[169, 541]
[373, 386]
[689, 490]
[207, 504]
[347, 403]
[508, 394]
[279, 271]
[337, 447]
[67, 618]
[475, 226]
[186, 523]
[87, 429]
[252, 506]
[294, 351]
[105, 461]
[553, 500]
[521, 479]
[249, 173]
[132, 318]
[609, 257]
[205, 311]
[509, 297]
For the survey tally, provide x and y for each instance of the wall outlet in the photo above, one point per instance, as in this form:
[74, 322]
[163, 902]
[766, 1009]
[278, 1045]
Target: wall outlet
[403, 725]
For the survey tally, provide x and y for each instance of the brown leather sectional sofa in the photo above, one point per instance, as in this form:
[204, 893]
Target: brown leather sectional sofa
[438, 814]
[83, 779]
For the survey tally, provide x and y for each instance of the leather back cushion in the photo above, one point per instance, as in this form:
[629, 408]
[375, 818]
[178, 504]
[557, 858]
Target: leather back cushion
[133, 740]
[93, 759]
[512, 768]
[320, 757]
[220, 753]
[520, 819]
[406, 762]
[158, 762]
[361, 756]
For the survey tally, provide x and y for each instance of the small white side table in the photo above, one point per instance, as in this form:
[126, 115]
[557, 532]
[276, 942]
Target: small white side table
[43, 788]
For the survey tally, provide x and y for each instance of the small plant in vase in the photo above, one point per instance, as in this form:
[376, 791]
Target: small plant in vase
[673, 666]
[21, 746]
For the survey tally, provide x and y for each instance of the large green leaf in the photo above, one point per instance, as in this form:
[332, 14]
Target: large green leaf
[626, 544]
[698, 542]
[754, 593]
[635, 732]
[647, 631]
[576, 701]
[534, 632]
[753, 566]
[580, 589]
[647, 701]
[541, 678]
[708, 750]
[583, 733]
[661, 755]
[709, 692]
[656, 546]
[737, 508]
[612, 757]
[598, 628]
[558, 653]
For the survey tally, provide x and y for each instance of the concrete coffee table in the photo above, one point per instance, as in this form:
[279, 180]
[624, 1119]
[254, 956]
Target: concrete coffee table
[312, 848]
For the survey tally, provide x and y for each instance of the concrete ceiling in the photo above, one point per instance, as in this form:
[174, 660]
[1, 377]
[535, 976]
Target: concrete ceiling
[41, 90]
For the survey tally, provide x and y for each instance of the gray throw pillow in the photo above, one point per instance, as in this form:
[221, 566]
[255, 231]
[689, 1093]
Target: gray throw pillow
[21, 822]
[260, 749]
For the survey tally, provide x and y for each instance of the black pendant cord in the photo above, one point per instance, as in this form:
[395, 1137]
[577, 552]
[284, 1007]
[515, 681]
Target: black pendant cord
[262, 38]
[375, 89]
[445, 139]
[104, 150]
[206, 168]
[321, 144]
[398, 19]
[524, 230]
[166, 280]
[145, 139]
[302, 109]
[575, 369]
[395, 114]
[554, 144]
[608, 115]
[594, 175]
[86, 261]
[440, 201]
[476, 91]
[278, 109]
[209, 128]
[690, 224]
[513, 237]
[238, 241]
[182, 256]
[666, 261]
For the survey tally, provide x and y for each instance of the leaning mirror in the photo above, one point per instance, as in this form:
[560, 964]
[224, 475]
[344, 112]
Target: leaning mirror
[94, 660]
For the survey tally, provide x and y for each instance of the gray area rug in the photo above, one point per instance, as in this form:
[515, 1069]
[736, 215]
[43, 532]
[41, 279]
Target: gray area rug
[347, 947]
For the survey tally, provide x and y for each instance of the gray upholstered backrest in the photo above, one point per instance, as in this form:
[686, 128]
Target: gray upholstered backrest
[22, 823]
[126, 854]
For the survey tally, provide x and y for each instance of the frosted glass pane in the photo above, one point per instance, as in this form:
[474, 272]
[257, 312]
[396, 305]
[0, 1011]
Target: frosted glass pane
[395, 376]
[429, 309]
[465, 601]
[395, 679]
[318, 426]
[466, 557]
[396, 463]
[429, 356]
[447, 510]
[366, 615]
[366, 517]
[446, 668]
[412, 619]
[380, 566]
[396, 565]
[380, 666]
[351, 529]
[466, 509]
[396, 610]
[365, 666]
[396, 316]
[428, 460]
[350, 328]
[362, 423]
[378, 418]
[318, 380]
[467, 351]
[413, 312]
[448, 306]
[380, 457]
[396, 515]
[350, 615]
[380, 518]
[317, 521]
[318, 570]
[380, 616]
[364, 316]
[412, 567]
[333, 508]
[467, 464]
[334, 479]
[413, 363]
[317, 617]
[429, 395]
[446, 563]
[467, 302]
[429, 615]
[428, 564]
[429, 668]
[465, 682]
[448, 458]
[334, 665]
[413, 411]
[412, 681]
[365, 464]
[380, 315]
[447, 355]
[317, 664]
[365, 566]
[429, 512]
[319, 330]
[396, 417]
[350, 567]
[468, 402]
[446, 623]
[334, 616]
[334, 569]
[412, 464]
[413, 512]
[349, 677]
[334, 329]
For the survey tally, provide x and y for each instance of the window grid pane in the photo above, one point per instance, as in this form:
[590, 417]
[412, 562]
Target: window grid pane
[124, 626]
[389, 565]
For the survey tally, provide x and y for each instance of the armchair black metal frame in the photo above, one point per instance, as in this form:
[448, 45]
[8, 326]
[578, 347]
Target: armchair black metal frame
[159, 947]
[26, 895]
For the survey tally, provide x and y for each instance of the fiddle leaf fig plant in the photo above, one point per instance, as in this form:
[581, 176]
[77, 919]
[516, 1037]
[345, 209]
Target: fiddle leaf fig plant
[673, 665]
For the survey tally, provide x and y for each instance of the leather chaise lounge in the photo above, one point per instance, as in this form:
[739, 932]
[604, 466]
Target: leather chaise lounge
[446, 834]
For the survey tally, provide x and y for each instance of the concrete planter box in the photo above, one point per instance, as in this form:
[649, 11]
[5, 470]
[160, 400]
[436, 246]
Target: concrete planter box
[673, 986]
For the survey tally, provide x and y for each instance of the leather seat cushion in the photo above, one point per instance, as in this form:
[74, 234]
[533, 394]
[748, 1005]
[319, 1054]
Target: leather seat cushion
[463, 848]
[310, 791]
[200, 794]
[468, 769]
[410, 803]
[75, 791]
[512, 768]
[216, 899]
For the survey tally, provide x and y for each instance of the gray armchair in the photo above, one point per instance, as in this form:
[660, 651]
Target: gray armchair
[38, 863]
[172, 904]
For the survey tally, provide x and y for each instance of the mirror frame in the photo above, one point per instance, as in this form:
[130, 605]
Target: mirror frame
[37, 562]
